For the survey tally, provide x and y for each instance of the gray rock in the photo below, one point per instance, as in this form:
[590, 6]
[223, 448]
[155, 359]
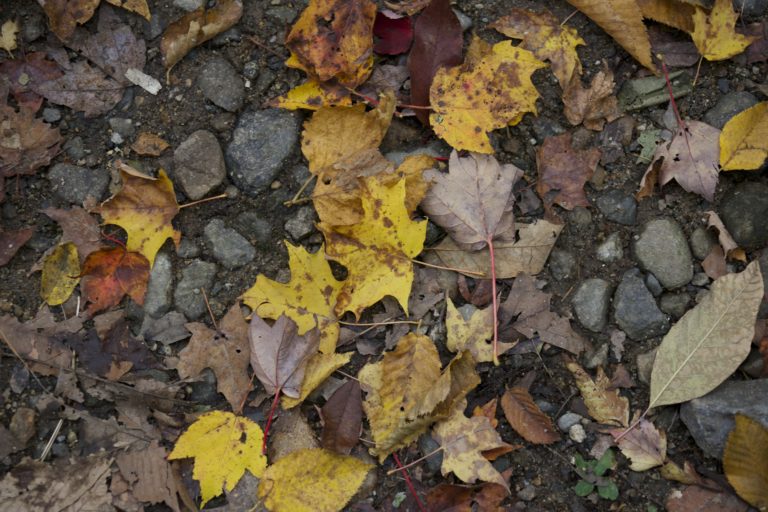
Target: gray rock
[702, 241]
[711, 417]
[744, 210]
[157, 300]
[187, 297]
[700, 279]
[251, 69]
[262, 142]
[204, 388]
[635, 310]
[254, 227]
[51, 115]
[282, 13]
[545, 127]
[199, 164]
[562, 264]
[435, 149]
[662, 249]
[590, 303]
[75, 148]
[675, 304]
[33, 26]
[645, 366]
[74, 184]
[428, 445]
[612, 249]
[527, 493]
[232, 35]
[302, 223]
[567, 420]
[188, 5]
[221, 84]
[229, 247]
[122, 126]
[580, 217]
[464, 20]
[597, 357]
[167, 329]
[653, 285]
[618, 206]
[188, 248]
[728, 106]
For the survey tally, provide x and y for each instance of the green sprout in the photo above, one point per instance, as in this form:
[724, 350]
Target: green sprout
[592, 476]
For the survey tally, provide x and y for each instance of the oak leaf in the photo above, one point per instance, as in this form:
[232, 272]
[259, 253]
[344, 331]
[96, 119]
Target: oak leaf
[342, 418]
[224, 446]
[714, 33]
[744, 139]
[710, 341]
[563, 171]
[61, 271]
[319, 367]
[312, 480]
[144, 208]
[473, 334]
[605, 405]
[377, 252]
[109, 274]
[745, 460]
[644, 445]
[491, 89]
[526, 418]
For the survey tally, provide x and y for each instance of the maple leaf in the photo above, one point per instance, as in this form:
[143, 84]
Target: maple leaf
[377, 252]
[312, 480]
[109, 274]
[342, 418]
[644, 445]
[604, 405]
[542, 33]
[527, 418]
[319, 368]
[308, 298]
[745, 460]
[144, 208]
[714, 34]
[594, 105]
[744, 139]
[78, 227]
[225, 350]
[463, 440]
[563, 171]
[491, 90]
[224, 446]
[60, 274]
[474, 333]
[333, 39]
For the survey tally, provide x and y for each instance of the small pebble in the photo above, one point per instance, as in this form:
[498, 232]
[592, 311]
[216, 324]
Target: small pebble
[577, 433]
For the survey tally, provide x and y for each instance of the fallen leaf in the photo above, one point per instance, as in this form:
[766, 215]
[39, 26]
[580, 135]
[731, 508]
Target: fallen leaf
[700, 499]
[150, 475]
[12, 241]
[714, 33]
[78, 227]
[460, 498]
[604, 405]
[544, 35]
[279, 355]
[314, 480]
[289, 433]
[758, 50]
[473, 334]
[377, 252]
[109, 274]
[385, 77]
[139, 7]
[394, 33]
[226, 351]
[149, 144]
[669, 12]
[113, 353]
[8, 36]
[644, 445]
[65, 15]
[730, 248]
[526, 418]
[685, 475]
[61, 271]
[437, 43]
[623, 21]
[333, 39]
[744, 139]
[144, 208]
[37, 344]
[563, 171]
[319, 368]
[223, 446]
[25, 73]
[592, 106]
[407, 7]
[710, 341]
[308, 298]
[488, 410]
[197, 27]
[342, 418]
[313, 95]
[745, 460]
[491, 89]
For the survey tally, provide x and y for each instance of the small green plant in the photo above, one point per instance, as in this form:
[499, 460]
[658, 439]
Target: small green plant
[592, 476]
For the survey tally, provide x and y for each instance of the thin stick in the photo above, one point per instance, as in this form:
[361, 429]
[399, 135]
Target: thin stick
[297, 199]
[495, 304]
[210, 312]
[439, 267]
[245, 396]
[51, 440]
[269, 420]
[698, 68]
[413, 463]
[204, 200]
[378, 324]
[631, 427]
[562, 23]
[409, 483]
[352, 377]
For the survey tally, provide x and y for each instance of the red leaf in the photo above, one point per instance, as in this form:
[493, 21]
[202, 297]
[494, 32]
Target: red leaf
[109, 274]
[343, 417]
[394, 34]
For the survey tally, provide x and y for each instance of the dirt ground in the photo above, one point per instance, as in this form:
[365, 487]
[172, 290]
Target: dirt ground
[542, 476]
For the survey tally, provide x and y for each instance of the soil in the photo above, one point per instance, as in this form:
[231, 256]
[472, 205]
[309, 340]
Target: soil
[180, 109]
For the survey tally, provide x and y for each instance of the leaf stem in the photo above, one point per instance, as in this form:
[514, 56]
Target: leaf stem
[269, 420]
[378, 324]
[631, 427]
[413, 463]
[439, 267]
[204, 200]
[297, 199]
[409, 483]
[495, 304]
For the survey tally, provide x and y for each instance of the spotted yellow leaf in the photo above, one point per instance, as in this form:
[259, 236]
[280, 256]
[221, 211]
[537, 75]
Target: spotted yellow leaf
[715, 35]
[312, 95]
[744, 139]
[60, 274]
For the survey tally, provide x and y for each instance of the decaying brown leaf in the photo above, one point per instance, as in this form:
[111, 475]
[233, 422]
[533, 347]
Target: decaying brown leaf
[27, 340]
[563, 172]
[12, 241]
[604, 405]
[460, 498]
[342, 418]
[65, 15]
[25, 73]
[527, 418]
[78, 227]
[694, 498]
[149, 475]
[149, 144]
[669, 12]
[592, 106]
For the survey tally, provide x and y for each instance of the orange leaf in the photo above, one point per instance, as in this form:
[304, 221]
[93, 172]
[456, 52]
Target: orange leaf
[526, 418]
[109, 274]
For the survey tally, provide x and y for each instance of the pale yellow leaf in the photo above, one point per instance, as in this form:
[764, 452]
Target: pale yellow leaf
[744, 139]
[61, 271]
[604, 405]
[319, 367]
[8, 35]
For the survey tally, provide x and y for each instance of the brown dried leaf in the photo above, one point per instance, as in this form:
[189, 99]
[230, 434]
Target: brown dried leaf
[563, 172]
[82, 87]
[35, 343]
[669, 12]
[526, 418]
[343, 417]
[700, 499]
[24, 73]
[78, 227]
[150, 475]
[149, 144]
[65, 15]
[12, 241]
[644, 445]
[592, 106]
[605, 406]
[114, 354]
[729, 245]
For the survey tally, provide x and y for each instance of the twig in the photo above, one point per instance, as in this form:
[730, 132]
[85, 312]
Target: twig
[495, 303]
[210, 312]
[409, 483]
[204, 200]
[378, 324]
[297, 199]
[413, 463]
[439, 267]
[51, 440]
[351, 377]
[698, 68]
[562, 23]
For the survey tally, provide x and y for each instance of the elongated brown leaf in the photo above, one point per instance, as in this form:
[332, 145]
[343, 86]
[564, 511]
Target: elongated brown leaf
[343, 416]
[745, 460]
[604, 405]
[710, 341]
[526, 418]
[279, 355]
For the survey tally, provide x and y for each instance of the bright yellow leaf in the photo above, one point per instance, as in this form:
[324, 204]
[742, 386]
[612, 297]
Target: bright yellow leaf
[8, 36]
[377, 252]
[319, 368]
[714, 34]
[60, 274]
[744, 139]
[491, 90]
[308, 299]
[312, 95]
[312, 480]
[223, 446]
[473, 334]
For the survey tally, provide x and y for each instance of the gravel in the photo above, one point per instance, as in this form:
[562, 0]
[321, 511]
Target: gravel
[618, 206]
[702, 241]
[635, 310]
[562, 264]
[221, 84]
[188, 298]
[728, 106]
[301, 223]
[744, 210]
[662, 249]
[157, 300]
[590, 303]
[228, 246]
[675, 304]
[74, 184]
[199, 164]
[612, 249]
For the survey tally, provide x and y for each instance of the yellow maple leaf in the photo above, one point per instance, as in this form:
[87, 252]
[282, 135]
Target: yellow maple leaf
[744, 139]
[377, 252]
[60, 274]
[319, 367]
[308, 299]
[312, 95]
[491, 90]
[312, 480]
[714, 34]
[144, 208]
[223, 446]
[473, 334]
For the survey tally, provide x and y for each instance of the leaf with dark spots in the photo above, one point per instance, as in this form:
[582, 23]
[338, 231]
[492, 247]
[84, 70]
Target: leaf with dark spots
[343, 416]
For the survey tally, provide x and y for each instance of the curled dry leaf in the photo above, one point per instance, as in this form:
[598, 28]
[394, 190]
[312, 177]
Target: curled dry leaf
[563, 172]
[745, 460]
[744, 139]
[592, 106]
[604, 405]
[730, 248]
[527, 418]
[644, 445]
[110, 274]
[714, 33]
[319, 368]
[343, 418]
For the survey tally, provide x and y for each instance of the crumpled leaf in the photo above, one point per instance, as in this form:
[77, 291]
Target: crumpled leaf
[745, 460]
[473, 334]
[744, 139]
[491, 89]
[197, 27]
[526, 418]
[312, 480]
[144, 208]
[605, 405]
[394, 33]
[563, 171]
[463, 440]
[319, 368]
[109, 274]
[65, 15]
[644, 445]
[542, 33]
[710, 341]
[342, 418]
[8, 36]
[714, 33]
[730, 248]
[308, 299]
[12, 241]
[279, 355]
[61, 272]
[226, 351]
[312, 95]
[78, 227]
[593, 106]
[149, 144]
[333, 39]
[377, 252]
[223, 446]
